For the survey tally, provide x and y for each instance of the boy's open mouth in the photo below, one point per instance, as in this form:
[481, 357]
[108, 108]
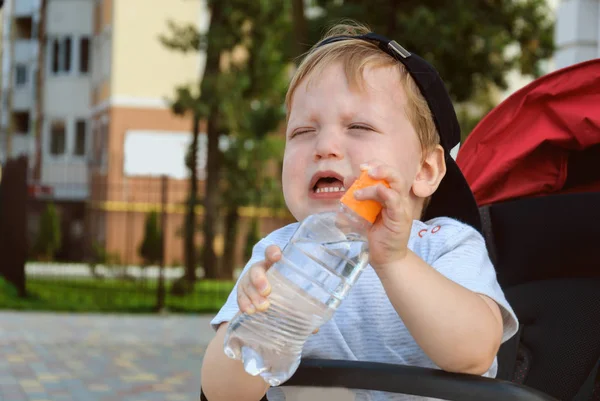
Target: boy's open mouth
[328, 184]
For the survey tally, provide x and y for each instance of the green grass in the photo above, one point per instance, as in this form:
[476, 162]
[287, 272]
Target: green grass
[111, 295]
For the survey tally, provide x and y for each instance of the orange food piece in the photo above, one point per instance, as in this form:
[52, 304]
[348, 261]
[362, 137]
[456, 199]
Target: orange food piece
[368, 209]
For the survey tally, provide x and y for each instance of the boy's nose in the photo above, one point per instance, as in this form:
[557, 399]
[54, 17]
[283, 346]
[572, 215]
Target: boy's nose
[328, 146]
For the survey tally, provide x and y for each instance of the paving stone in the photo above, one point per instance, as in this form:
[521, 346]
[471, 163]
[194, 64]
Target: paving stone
[92, 357]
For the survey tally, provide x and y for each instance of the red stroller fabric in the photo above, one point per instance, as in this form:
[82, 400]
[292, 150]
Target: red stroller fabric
[522, 147]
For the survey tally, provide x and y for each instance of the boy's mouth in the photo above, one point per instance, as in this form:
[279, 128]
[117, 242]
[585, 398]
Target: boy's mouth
[327, 184]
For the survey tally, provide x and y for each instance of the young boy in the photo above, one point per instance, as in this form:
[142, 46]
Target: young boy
[429, 296]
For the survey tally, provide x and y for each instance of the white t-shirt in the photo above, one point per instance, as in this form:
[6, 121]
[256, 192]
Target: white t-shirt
[366, 327]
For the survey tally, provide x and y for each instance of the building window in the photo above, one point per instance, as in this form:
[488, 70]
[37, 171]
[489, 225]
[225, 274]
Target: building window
[84, 55]
[61, 54]
[55, 56]
[67, 54]
[20, 74]
[80, 137]
[20, 120]
[58, 137]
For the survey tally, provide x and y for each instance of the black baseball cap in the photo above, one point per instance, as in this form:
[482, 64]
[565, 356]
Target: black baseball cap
[453, 197]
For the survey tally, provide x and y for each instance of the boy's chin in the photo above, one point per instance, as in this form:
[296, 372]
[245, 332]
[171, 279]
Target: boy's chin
[320, 206]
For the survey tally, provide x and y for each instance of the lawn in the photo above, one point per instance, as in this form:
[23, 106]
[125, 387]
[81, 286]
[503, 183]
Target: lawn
[111, 295]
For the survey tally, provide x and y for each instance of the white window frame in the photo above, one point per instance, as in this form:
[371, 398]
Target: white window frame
[61, 55]
[75, 64]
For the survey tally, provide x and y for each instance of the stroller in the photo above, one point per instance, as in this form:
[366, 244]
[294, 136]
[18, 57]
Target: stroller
[533, 164]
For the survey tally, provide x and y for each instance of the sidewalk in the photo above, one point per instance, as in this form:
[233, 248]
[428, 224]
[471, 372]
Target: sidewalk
[77, 357]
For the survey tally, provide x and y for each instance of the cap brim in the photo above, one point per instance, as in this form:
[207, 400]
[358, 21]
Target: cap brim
[454, 198]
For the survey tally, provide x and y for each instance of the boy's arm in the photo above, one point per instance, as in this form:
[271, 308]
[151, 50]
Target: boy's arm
[224, 379]
[460, 330]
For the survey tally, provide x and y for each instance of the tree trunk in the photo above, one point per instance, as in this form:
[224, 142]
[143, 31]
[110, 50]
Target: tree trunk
[190, 218]
[232, 219]
[209, 89]
[300, 27]
[211, 210]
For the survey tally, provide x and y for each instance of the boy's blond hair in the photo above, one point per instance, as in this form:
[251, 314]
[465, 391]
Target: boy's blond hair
[355, 55]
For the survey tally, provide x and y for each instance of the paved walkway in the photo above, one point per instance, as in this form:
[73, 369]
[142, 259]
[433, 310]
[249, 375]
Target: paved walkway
[63, 357]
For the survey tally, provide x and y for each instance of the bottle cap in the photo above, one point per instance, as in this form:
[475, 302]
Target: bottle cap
[368, 209]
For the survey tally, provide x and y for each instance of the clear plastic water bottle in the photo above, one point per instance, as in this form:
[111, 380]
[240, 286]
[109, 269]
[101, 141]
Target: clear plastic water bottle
[319, 266]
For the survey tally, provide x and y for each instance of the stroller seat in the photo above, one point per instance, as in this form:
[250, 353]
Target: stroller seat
[547, 262]
[546, 259]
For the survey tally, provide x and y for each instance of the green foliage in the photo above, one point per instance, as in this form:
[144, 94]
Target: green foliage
[471, 43]
[241, 99]
[150, 249]
[245, 183]
[49, 236]
[8, 290]
[254, 108]
[100, 256]
[183, 38]
[110, 295]
[470, 113]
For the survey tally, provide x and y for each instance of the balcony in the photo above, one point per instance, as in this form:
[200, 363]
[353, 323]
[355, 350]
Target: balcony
[25, 51]
[21, 144]
[67, 178]
[23, 97]
[24, 8]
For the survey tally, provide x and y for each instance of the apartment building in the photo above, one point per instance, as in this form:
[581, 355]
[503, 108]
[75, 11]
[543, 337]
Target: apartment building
[106, 133]
[19, 66]
[136, 137]
[98, 127]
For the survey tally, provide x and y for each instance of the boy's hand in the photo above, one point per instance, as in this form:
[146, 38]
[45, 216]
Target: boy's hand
[388, 237]
[254, 287]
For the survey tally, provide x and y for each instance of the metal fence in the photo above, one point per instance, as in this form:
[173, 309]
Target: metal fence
[98, 264]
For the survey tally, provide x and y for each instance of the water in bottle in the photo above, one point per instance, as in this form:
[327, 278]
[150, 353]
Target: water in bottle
[319, 266]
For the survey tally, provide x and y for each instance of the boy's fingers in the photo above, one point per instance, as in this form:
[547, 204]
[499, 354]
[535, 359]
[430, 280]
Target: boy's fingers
[244, 303]
[316, 331]
[258, 280]
[380, 193]
[390, 199]
[260, 302]
[389, 174]
[272, 255]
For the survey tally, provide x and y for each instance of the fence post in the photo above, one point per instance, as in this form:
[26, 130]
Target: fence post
[160, 295]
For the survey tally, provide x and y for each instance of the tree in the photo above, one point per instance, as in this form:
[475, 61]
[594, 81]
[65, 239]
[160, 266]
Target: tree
[254, 109]
[246, 184]
[202, 104]
[471, 43]
[229, 25]
[300, 26]
[150, 249]
[49, 235]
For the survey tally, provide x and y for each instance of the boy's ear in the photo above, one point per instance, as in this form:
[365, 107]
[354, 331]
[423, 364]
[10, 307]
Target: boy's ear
[430, 174]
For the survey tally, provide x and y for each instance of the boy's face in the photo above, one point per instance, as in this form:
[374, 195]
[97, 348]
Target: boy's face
[332, 130]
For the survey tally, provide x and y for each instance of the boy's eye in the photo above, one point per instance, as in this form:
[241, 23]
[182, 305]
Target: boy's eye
[361, 127]
[299, 132]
